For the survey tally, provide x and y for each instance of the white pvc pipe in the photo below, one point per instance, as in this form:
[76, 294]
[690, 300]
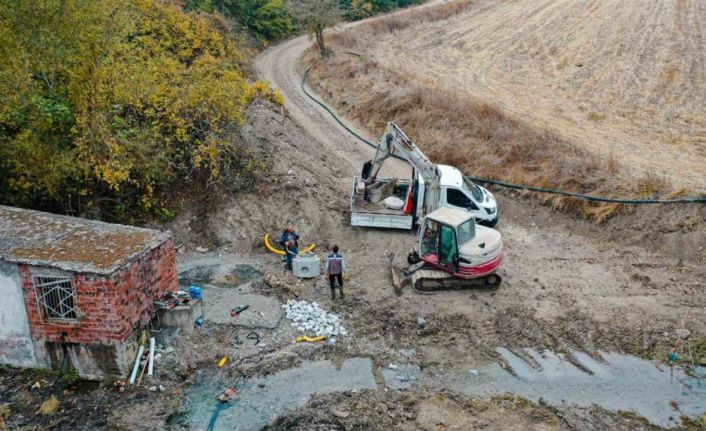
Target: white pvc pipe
[150, 363]
[133, 376]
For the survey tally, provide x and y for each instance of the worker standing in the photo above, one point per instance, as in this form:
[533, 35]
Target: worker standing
[335, 267]
[290, 241]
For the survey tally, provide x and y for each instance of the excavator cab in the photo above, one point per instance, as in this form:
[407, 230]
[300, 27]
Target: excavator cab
[439, 239]
[451, 242]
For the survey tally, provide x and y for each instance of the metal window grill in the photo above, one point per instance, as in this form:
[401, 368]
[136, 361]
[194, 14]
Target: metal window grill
[56, 296]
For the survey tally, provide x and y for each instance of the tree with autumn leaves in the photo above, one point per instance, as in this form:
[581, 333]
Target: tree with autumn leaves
[107, 104]
[315, 16]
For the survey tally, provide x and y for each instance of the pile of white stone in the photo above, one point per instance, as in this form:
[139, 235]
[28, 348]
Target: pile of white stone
[312, 319]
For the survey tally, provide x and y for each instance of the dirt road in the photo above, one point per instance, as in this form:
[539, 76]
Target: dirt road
[281, 65]
[626, 78]
[567, 283]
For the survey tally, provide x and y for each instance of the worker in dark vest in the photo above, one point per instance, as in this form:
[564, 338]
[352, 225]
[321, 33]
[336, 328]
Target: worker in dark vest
[335, 267]
[290, 241]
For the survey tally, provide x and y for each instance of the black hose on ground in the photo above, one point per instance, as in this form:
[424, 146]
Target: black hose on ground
[591, 198]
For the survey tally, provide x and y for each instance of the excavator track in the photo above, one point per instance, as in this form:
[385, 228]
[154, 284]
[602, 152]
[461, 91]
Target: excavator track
[429, 280]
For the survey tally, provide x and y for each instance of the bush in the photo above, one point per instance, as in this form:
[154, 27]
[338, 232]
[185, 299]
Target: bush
[358, 9]
[267, 20]
[107, 105]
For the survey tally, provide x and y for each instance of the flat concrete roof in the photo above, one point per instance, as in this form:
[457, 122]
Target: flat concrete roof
[72, 243]
[452, 216]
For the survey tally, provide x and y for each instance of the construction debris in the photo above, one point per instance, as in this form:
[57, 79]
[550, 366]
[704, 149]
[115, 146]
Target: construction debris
[4, 414]
[312, 319]
[227, 395]
[306, 338]
[136, 367]
[150, 363]
[239, 309]
[50, 406]
[223, 362]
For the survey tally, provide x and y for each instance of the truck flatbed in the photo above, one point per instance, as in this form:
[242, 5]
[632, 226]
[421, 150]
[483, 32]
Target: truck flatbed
[368, 214]
[359, 204]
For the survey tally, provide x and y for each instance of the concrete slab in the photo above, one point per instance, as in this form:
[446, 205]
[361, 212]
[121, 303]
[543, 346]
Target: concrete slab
[264, 311]
[220, 269]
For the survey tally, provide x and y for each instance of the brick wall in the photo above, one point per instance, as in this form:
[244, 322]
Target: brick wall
[138, 285]
[112, 307]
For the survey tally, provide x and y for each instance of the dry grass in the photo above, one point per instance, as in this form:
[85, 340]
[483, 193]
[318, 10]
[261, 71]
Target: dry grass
[476, 137]
[546, 62]
[344, 39]
[650, 186]
[401, 21]
[681, 193]
[612, 166]
[594, 116]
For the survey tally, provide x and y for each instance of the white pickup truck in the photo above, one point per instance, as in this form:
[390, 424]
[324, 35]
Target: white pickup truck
[456, 191]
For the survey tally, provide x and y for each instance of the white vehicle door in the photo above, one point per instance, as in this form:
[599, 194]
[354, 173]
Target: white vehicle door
[456, 198]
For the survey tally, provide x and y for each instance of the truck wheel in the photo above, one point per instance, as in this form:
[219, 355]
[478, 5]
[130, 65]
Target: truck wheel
[413, 258]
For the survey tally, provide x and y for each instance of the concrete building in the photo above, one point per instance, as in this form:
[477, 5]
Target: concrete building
[76, 292]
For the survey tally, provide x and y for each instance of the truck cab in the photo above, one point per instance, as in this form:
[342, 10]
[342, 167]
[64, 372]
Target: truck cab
[458, 191]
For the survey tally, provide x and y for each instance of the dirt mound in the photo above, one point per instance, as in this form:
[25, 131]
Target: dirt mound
[420, 410]
[297, 190]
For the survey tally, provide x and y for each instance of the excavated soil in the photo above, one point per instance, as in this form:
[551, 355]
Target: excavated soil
[568, 285]
[421, 410]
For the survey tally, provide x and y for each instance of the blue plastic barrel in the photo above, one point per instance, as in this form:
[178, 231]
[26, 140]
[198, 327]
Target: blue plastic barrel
[195, 292]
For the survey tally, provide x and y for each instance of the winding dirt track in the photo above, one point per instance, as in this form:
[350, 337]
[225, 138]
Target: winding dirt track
[280, 65]
[558, 269]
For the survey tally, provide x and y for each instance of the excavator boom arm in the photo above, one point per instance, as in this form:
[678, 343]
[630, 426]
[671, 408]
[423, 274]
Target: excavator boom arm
[395, 143]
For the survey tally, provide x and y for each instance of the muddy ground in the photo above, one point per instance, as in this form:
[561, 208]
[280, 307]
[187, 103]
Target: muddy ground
[567, 285]
[626, 286]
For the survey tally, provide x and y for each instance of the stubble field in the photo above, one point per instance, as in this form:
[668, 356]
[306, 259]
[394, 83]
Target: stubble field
[623, 79]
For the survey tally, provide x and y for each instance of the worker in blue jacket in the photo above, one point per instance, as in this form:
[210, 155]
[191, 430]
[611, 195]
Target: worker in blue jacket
[289, 240]
[335, 267]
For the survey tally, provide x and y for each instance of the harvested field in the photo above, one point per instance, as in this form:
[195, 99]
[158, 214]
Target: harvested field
[479, 138]
[623, 79]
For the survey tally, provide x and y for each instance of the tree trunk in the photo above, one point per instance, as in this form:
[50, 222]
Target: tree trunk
[320, 40]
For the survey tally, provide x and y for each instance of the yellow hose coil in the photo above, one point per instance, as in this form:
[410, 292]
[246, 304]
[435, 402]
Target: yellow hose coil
[274, 250]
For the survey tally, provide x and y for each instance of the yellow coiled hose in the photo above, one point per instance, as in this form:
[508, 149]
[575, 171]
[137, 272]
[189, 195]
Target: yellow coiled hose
[274, 250]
